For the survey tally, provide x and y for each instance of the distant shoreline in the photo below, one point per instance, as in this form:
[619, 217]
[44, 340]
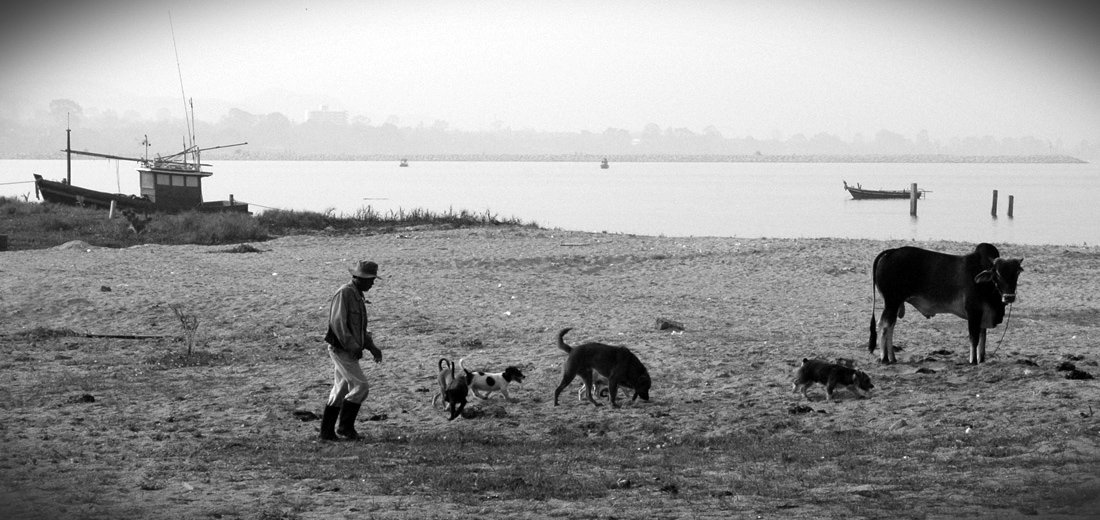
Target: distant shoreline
[682, 158]
[242, 155]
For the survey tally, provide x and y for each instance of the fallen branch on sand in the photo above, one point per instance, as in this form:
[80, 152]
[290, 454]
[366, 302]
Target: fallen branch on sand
[41, 332]
[125, 336]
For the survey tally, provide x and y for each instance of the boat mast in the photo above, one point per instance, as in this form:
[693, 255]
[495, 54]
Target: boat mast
[68, 151]
[188, 115]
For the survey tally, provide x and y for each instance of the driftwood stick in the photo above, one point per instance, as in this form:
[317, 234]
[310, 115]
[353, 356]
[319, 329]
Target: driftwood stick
[124, 336]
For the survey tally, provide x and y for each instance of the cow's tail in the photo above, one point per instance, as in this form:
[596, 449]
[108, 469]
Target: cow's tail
[561, 342]
[873, 341]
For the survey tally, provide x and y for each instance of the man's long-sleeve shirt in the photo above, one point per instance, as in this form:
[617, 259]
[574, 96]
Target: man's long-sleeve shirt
[348, 318]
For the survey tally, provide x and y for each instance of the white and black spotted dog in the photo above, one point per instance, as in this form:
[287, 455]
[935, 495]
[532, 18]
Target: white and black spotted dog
[485, 383]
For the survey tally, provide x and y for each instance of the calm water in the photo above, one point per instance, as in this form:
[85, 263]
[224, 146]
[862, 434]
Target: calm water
[1054, 203]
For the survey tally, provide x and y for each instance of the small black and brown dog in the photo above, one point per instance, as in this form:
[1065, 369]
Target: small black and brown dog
[831, 375]
[618, 364]
[454, 389]
[137, 224]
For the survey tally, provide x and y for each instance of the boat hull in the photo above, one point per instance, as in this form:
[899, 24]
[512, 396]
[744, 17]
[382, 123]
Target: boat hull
[864, 194]
[859, 194]
[62, 193]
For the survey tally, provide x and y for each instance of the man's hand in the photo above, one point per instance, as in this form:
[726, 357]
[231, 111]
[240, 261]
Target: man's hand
[373, 349]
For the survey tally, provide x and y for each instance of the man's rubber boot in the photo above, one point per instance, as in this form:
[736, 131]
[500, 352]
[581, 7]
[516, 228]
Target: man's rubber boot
[328, 423]
[347, 421]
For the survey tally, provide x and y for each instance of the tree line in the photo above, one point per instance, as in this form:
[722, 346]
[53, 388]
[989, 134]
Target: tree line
[275, 137]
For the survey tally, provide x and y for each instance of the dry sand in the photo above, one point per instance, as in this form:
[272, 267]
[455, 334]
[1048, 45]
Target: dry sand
[752, 308]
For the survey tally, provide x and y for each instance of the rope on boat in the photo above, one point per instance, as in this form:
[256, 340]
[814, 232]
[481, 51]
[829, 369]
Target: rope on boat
[260, 205]
[17, 182]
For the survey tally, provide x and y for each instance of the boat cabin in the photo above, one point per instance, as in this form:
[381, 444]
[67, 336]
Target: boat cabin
[172, 189]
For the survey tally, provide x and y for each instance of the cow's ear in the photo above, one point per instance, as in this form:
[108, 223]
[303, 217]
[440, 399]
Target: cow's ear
[984, 276]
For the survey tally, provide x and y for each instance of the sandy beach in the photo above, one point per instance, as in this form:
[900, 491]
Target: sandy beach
[101, 427]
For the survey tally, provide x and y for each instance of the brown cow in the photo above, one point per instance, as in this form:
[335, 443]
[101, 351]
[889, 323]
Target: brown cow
[975, 287]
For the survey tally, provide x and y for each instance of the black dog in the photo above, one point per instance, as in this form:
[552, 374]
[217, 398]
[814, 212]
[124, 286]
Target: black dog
[618, 364]
[454, 390]
[831, 375]
[137, 224]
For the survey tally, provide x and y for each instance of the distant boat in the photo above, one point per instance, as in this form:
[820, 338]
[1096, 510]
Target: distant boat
[604, 164]
[859, 193]
[404, 163]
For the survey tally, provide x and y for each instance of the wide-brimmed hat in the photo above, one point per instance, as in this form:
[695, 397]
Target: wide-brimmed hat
[365, 270]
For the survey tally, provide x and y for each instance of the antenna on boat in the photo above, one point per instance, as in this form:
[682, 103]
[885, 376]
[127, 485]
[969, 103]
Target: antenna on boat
[188, 116]
[68, 151]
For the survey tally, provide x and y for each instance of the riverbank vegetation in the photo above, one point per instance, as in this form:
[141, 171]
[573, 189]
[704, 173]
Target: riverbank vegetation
[32, 225]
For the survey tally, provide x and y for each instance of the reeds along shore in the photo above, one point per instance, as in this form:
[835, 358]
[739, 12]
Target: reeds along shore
[35, 226]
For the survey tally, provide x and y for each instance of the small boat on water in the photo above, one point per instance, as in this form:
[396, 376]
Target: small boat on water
[604, 165]
[404, 163]
[859, 193]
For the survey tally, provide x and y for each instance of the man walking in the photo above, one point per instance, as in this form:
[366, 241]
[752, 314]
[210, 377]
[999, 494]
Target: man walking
[347, 338]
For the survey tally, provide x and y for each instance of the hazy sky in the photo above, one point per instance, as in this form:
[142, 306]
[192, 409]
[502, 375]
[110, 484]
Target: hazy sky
[756, 67]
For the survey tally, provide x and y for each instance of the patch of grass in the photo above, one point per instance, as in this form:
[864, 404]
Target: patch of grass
[33, 225]
[192, 227]
[462, 345]
[42, 225]
[367, 218]
[197, 358]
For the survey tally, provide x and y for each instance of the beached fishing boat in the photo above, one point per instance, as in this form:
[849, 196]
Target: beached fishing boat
[170, 183]
[859, 193]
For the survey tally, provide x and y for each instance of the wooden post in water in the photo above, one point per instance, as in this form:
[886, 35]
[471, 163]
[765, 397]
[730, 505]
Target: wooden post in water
[994, 211]
[913, 196]
[1011, 200]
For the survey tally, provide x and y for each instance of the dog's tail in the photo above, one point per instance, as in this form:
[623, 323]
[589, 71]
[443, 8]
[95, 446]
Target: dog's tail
[466, 373]
[561, 342]
[450, 366]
